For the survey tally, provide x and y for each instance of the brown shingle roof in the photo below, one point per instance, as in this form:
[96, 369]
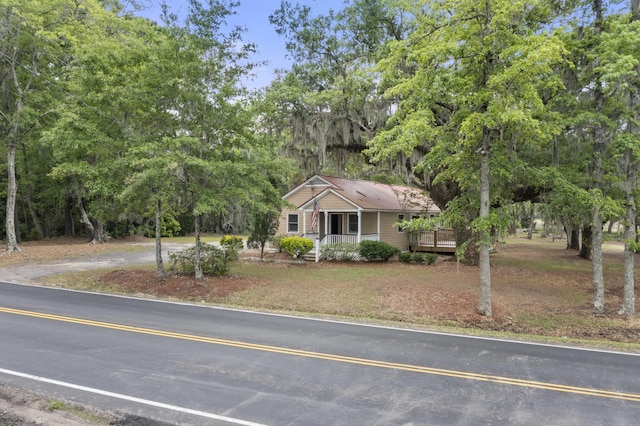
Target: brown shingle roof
[379, 196]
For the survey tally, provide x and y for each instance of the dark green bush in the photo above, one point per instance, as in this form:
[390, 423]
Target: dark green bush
[418, 257]
[377, 250]
[213, 260]
[405, 257]
[170, 227]
[296, 246]
[431, 258]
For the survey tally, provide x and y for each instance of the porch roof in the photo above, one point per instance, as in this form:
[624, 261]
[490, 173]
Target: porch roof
[371, 196]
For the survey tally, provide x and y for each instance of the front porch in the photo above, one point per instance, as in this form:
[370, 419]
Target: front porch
[328, 239]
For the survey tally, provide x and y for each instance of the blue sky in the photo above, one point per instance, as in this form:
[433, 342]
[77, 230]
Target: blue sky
[254, 15]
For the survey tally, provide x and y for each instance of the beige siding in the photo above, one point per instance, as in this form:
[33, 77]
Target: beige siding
[369, 223]
[329, 202]
[283, 226]
[299, 197]
[333, 202]
[389, 233]
[304, 194]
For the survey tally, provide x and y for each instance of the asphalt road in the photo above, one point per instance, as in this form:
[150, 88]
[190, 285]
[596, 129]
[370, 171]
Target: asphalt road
[199, 365]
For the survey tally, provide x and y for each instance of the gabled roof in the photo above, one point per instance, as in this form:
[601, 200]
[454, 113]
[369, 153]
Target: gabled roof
[368, 195]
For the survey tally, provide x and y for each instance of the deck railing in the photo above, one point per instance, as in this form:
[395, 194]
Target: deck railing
[439, 238]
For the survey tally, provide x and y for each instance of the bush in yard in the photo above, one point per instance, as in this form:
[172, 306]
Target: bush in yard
[231, 245]
[296, 246]
[377, 250]
[431, 258]
[263, 228]
[418, 257]
[214, 260]
[405, 257]
[342, 252]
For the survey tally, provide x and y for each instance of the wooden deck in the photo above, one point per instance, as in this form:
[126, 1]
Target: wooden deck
[442, 240]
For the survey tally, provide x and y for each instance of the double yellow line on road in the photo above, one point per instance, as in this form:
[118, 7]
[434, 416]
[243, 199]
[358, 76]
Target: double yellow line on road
[336, 358]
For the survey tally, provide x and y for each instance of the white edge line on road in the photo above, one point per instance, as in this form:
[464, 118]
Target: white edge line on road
[131, 398]
[356, 324]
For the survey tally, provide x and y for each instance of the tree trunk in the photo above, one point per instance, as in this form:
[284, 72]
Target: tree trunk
[12, 192]
[568, 229]
[196, 254]
[596, 262]
[532, 223]
[484, 262]
[159, 265]
[69, 227]
[84, 219]
[610, 227]
[34, 215]
[98, 233]
[629, 302]
[585, 248]
[574, 243]
[599, 151]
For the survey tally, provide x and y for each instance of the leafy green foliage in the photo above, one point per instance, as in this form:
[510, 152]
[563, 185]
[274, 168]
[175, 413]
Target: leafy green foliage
[296, 246]
[342, 252]
[232, 245]
[430, 258]
[377, 250]
[417, 257]
[263, 229]
[276, 242]
[169, 225]
[419, 224]
[231, 242]
[213, 260]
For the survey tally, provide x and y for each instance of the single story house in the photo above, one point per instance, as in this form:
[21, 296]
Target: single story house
[332, 210]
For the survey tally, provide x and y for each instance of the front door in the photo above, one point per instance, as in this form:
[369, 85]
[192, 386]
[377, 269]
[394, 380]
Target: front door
[336, 224]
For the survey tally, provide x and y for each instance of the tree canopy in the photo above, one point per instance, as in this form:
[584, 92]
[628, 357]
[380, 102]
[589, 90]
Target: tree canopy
[505, 111]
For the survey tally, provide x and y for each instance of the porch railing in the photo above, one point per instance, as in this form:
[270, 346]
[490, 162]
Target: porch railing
[342, 238]
[347, 238]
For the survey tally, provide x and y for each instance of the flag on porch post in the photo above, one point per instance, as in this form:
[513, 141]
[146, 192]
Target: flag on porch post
[314, 216]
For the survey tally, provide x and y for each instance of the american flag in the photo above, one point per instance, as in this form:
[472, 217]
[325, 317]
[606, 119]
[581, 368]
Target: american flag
[314, 216]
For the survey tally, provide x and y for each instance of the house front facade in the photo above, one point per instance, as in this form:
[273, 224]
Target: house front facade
[332, 210]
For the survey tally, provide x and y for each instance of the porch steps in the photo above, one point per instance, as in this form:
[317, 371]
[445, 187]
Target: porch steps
[311, 256]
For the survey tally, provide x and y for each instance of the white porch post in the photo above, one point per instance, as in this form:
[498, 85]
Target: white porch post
[304, 222]
[359, 226]
[378, 226]
[326, 223]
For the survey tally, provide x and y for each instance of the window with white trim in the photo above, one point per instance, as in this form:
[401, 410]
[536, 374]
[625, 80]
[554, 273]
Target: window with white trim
[353, 224]
[292, 223]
